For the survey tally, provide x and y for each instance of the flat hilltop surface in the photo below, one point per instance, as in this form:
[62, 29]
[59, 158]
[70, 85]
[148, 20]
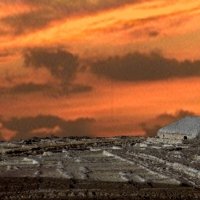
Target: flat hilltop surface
[99, 168]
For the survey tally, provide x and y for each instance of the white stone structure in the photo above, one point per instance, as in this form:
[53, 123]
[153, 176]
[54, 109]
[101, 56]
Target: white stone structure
[186, 128]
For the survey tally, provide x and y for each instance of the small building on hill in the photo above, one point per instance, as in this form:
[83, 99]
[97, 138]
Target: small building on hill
[186, 128]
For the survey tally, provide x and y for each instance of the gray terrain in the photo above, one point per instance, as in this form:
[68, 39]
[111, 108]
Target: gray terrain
[99, 168]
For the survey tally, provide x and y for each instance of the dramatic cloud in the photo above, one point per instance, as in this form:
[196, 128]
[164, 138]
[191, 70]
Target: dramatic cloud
[143, 67]
[151, 127]
[25, 88]
[62, 64]
[25, 22]
[45, 89]
[43, 125]
[129, 87]
[80, 6]
[41, 13]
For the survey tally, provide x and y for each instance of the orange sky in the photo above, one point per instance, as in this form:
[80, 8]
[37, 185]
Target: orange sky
[54, 60]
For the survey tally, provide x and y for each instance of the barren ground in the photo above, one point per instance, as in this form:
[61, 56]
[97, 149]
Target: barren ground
[99, 168]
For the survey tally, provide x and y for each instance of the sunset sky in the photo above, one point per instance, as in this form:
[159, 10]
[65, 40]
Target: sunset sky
[97, 67]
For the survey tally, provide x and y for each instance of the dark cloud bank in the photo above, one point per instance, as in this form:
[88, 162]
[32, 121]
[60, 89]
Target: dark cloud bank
[26, 88]
[44, 125]
[144, 67]
[64, 67]
[44, 89]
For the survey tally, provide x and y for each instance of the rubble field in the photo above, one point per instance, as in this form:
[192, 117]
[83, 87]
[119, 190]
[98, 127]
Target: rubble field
[99, 168]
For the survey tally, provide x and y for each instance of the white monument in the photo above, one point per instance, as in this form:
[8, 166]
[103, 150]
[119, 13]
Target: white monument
[186, 128]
